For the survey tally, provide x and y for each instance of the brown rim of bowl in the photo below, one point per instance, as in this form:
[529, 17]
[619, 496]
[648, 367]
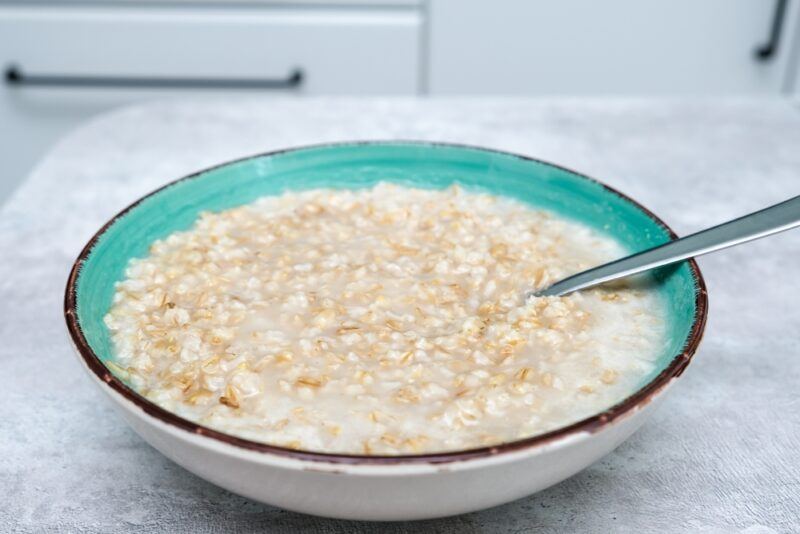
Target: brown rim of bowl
[590, 424]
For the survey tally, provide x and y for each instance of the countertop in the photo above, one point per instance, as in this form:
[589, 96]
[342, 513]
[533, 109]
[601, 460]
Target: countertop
[720, 454]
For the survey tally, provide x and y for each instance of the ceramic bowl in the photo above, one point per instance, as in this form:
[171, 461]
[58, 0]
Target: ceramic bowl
[375, 487]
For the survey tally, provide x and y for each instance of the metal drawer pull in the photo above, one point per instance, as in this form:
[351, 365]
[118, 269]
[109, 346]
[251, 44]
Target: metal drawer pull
[768, 50]
[14, 75]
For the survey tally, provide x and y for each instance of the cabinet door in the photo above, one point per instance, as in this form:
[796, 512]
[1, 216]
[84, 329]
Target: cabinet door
[614, 46]
[97, 58]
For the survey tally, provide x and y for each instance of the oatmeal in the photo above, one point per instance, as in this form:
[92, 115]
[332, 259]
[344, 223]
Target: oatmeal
[380, 321]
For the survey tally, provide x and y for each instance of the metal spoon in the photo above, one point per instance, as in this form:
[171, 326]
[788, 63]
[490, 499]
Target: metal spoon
[761, 223]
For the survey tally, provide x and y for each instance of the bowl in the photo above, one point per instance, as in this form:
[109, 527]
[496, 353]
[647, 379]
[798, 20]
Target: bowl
[379, 487]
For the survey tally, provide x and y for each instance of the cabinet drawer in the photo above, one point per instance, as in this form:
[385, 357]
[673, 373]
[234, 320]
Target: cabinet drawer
[338, 51]
[74, 62]
[640, 47]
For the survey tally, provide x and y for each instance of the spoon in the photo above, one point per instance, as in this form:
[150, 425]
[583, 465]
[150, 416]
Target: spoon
[771, 220]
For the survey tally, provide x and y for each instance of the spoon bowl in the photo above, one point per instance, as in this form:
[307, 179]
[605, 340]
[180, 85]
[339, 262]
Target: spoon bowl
[778, 218]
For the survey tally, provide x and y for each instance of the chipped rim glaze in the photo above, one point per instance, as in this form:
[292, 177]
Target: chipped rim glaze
[592, 424]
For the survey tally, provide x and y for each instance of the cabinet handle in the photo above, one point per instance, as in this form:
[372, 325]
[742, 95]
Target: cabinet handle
[768, 50]
[15, 76]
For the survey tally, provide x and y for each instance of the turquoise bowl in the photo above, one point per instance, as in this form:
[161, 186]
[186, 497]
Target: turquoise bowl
[359, 165]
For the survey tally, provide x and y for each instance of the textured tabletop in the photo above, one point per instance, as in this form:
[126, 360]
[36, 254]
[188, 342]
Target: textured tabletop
[722, 453]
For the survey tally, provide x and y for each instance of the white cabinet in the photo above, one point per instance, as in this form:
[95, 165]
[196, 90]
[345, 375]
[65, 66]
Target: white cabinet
[74, 59]
[634, 47]
[72, 62]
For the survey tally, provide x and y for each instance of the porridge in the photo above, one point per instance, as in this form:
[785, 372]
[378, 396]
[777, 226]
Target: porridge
[380, 321]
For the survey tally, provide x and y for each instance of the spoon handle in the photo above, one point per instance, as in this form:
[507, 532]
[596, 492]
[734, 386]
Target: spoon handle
[761, 223]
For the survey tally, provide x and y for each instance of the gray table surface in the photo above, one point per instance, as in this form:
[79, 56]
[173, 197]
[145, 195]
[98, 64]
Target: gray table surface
[722, 454]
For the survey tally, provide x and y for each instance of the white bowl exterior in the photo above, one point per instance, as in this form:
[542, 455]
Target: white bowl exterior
[380, 492]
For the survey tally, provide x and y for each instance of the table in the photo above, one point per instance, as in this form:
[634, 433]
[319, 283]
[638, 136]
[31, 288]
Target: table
[720, 455]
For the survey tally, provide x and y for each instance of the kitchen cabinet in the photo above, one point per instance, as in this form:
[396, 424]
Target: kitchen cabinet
[574, 47]
[66, 60]
[65, 64]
